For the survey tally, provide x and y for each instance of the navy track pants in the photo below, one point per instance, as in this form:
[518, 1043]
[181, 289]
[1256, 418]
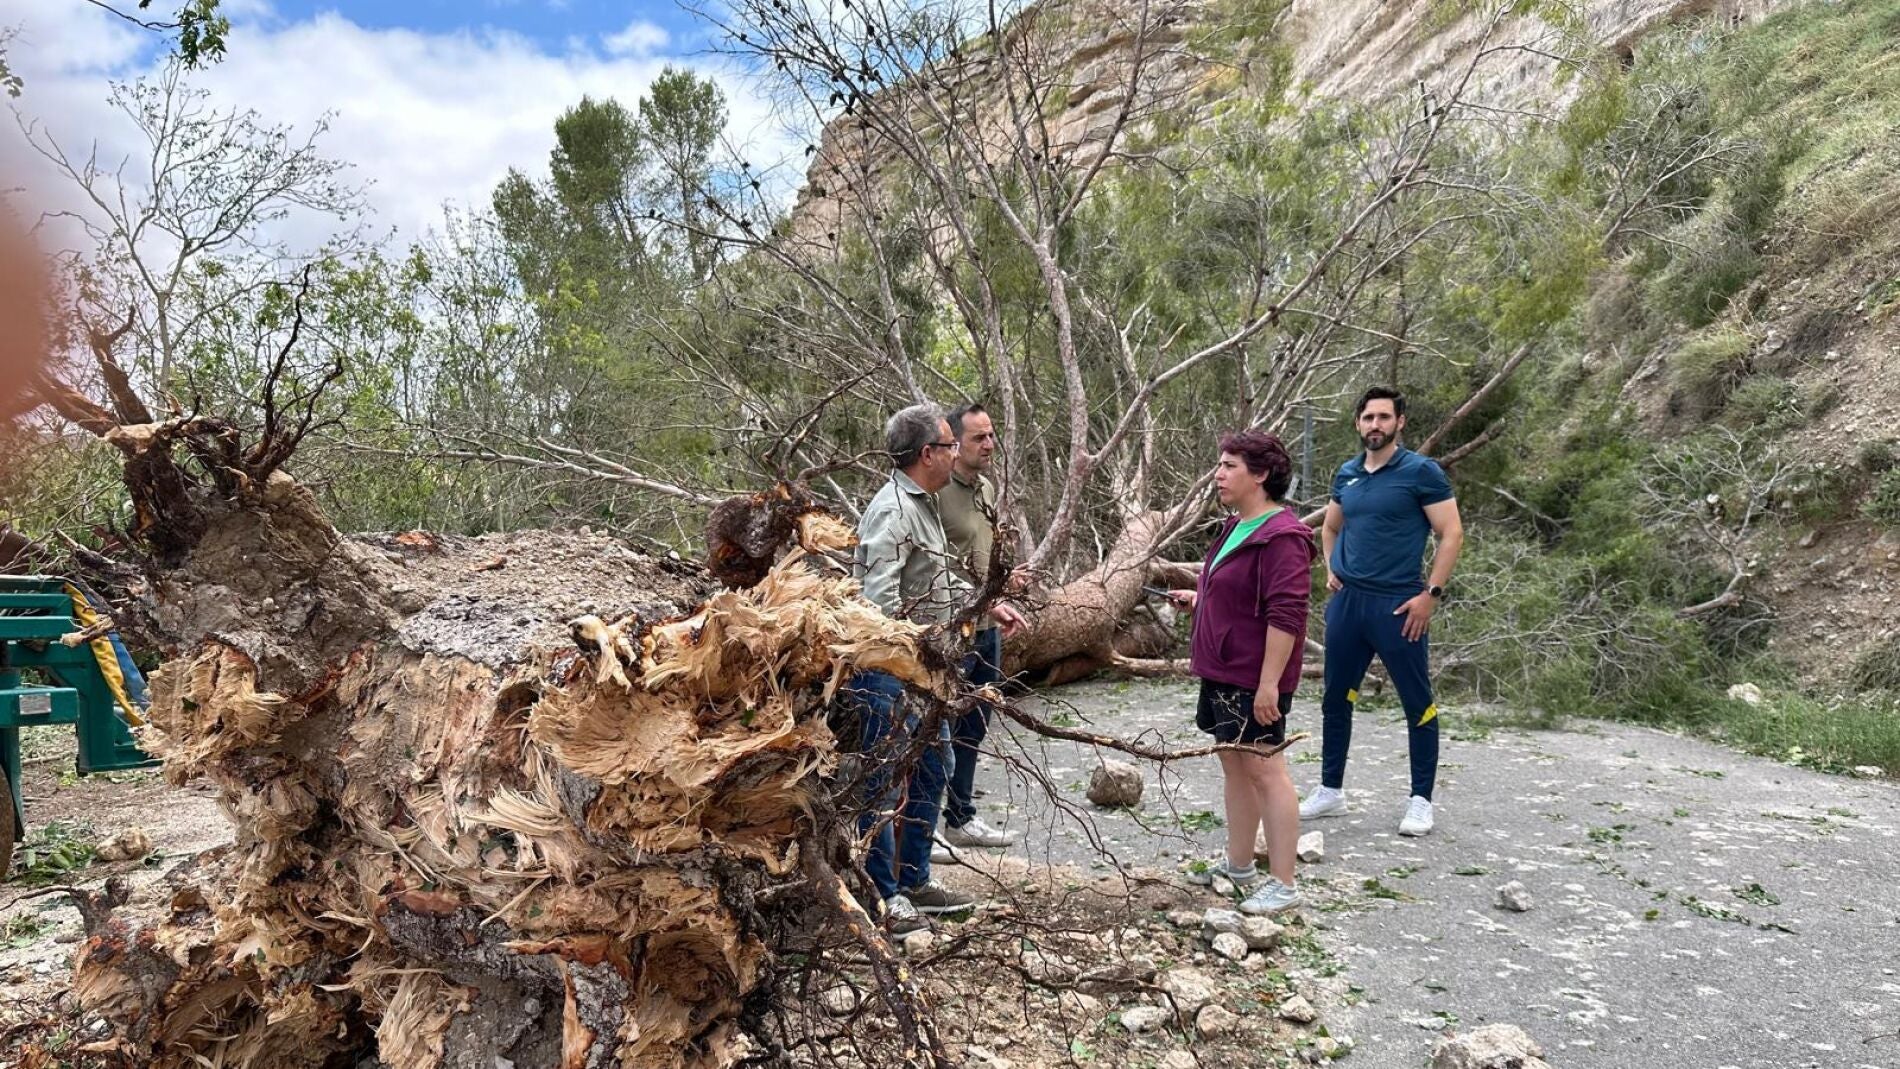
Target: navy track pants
[1359, 625]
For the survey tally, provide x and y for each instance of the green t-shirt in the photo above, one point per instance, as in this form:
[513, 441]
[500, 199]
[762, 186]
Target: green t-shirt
[1240, 532]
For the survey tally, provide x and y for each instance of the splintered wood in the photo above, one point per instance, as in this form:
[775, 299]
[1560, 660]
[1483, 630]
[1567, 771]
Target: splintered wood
[444, 859]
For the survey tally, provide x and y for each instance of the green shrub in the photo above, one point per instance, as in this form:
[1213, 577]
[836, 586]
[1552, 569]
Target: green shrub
[1765, 402]
[1707, 369]
[1820, 493]
[1712, 260]
[1883, 501]
[1878, 668]
[1877, 456]
[1556, 631]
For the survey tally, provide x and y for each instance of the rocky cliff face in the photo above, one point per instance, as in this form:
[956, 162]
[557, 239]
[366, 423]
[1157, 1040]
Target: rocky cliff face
[1196, 51]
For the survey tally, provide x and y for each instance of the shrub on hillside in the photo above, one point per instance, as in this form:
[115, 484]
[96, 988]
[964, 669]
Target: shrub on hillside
[1767, 403]
[1707, 369]
[1558, 632]
[1878, 668]
[1711, 258]
[1878, 455]
[1883, 502]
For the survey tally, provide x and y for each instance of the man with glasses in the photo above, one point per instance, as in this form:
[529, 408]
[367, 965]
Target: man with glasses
[903, 560]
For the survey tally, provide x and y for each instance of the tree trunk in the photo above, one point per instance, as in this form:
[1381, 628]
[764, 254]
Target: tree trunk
[477, 824]
[1074, 632]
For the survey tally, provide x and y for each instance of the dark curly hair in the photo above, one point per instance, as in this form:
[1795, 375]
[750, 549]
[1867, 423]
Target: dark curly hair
[1264, 454]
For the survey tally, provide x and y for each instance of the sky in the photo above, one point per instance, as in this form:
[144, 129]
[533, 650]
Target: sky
[430, 101]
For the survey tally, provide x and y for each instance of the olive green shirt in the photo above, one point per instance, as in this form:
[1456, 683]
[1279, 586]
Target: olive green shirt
[969, 515]
[903, 558]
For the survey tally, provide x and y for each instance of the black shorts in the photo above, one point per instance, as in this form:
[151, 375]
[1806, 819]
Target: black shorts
[1226, 712]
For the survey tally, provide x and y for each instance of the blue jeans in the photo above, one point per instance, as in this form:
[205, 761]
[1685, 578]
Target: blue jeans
[982, 665]
[899, 853]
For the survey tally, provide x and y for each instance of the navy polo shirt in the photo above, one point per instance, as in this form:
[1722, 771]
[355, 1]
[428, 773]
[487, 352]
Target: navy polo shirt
[1381, 548]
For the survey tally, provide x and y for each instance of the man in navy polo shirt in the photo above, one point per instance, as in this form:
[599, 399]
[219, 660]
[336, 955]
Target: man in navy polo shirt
[1384, 503]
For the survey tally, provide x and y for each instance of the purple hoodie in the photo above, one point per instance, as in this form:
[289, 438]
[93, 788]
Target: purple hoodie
[1266, 580]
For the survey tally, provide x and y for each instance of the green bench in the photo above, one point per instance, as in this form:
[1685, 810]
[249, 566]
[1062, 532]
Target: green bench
[35, 613]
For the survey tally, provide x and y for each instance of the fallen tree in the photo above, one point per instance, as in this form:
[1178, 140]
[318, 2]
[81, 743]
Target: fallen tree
[464, 832]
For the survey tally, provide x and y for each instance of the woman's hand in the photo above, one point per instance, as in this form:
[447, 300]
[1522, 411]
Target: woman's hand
[1184, 599]
[1266, 705]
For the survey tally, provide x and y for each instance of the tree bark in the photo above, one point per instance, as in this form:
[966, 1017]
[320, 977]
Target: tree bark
[1073, 632]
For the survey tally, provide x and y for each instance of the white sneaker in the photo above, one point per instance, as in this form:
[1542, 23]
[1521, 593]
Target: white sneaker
[1418, 817]
[1271, 896]
[977, 833]
[1323, 802]
[1202, 873]
[942, 853]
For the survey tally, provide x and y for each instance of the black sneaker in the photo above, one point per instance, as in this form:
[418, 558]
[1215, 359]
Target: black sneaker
[901, 917]
[933, 897]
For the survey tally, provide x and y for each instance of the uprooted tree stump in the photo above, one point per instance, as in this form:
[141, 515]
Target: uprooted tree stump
[528, 799]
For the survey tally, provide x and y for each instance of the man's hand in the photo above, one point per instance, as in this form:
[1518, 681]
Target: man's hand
[1184, 599]
[1418, 616]
[1333, 584]
[1005, 614]
[1266, 705]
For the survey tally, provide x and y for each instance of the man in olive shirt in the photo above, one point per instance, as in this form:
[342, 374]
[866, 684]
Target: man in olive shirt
[968, 506]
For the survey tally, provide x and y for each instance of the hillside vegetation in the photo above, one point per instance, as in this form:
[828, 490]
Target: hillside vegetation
[1688, 482]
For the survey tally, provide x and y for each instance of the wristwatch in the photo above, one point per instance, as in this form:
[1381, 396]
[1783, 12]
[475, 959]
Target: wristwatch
[1437, 592]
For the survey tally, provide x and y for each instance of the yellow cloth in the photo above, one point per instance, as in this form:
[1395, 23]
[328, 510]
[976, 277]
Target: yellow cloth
[85, 616]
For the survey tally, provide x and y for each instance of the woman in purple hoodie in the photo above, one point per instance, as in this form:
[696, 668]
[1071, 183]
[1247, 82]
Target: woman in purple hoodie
[1249, 634]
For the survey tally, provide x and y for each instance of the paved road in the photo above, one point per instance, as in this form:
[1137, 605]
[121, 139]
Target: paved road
[1693, 907]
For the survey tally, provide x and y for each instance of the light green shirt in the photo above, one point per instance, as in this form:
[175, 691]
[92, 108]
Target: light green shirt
[904, 558]
[1240, 532]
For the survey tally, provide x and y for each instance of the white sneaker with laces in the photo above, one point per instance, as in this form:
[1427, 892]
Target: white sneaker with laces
[1271, 896]
[1418, 817]
[1323, 802]
[977, 833]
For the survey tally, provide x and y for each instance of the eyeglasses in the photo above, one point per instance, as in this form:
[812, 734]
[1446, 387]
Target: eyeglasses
[953, 446]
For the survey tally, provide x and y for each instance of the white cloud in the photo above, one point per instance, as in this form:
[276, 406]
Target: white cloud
[640, 38]
[425, 118]
[58, 37]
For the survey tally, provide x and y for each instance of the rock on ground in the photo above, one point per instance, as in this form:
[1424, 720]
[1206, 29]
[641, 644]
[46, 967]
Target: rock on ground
[1143, 1019]
[1179, 1059]
[839, 1001]
[1495, 1046]
[1311, 847]
[1215, 1021]
[1191, 988]
[1217, 922]
[1230, 946]
[1298, 1010]
[1260, 933]
[1115, 783]
[1515, 897]
[129, 845]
